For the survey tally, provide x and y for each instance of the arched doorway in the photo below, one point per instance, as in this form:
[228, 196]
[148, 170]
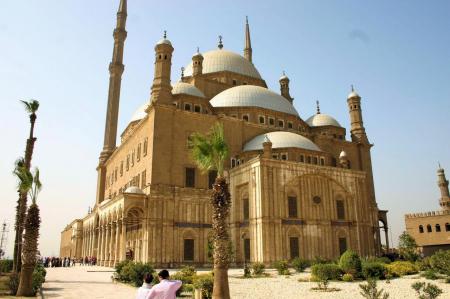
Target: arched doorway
[134, 234]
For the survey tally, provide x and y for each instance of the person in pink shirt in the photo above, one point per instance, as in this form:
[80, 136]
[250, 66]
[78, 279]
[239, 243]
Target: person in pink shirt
[165, 289]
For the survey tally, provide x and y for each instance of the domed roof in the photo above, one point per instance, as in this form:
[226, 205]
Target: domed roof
[139, 113]
[320, 119]
[134, 190]
[281, 139]
[253, 96]
[223, 60]
[164, 41]
[353, 94]
[186, 88]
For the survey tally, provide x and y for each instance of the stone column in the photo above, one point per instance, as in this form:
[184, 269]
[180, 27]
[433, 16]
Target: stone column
[107, 239]
[116, 244]
[111, 244]
[91, 244]
[123, 240]
[387, 239]
[100, 244]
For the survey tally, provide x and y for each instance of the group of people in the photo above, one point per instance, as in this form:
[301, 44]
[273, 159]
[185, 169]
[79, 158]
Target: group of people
[58, 262]
[68, 261]
[165, 289]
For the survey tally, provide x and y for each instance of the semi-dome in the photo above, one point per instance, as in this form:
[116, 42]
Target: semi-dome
[134, 190]
[223, 60]
[139, 113]
[253, 96]
[186, 88]
[320, 119]
[164, 41]
[281, 139]
[353, 94]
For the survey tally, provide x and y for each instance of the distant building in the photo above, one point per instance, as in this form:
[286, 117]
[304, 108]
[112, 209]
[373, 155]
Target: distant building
[431, 230]
[71, 240]
[298, 187]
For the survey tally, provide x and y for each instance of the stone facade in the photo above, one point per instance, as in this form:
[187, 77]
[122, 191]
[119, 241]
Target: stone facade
[308, 192]
[71, 240]
[431, 230]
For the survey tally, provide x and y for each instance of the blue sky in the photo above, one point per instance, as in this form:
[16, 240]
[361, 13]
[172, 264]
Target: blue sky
[396, 53]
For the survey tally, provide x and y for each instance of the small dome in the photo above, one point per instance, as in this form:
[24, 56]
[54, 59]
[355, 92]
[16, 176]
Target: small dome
[134, 190]
[139, 113]
[343, 155]
[281, 139]
[164, 41]
[320, 119]
[253, 96]
[223, 60]
[353, 94]
[186, 88]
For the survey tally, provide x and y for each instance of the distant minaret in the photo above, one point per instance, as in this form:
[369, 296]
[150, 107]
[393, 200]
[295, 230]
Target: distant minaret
[197, 63]
[161, 88]
[443, 186]
[116, 68]
[357, 130]
[248, 42]
[284, 87]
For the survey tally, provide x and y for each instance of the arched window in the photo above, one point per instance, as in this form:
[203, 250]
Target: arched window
[447, 227]
[292, 207]
[340, 209]
[245, 117]
[188, 254]
[245, 208]
[438, 228]
[429, 228]
[421, 229]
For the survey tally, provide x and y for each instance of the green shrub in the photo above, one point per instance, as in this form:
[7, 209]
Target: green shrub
[430, 274]
[374, 270]
[119, 268]
[13, 283]
[370, 290]
[246, 270]
[133, 272]
[440, 262]
[326, 272]
[347, 277]
[350, 263]
[38, 277]
[205, 282]
[383, 259]
[426, 291]
[6, 266]
[319, 260]
[299, 264]
[258, 268]
[186, 275]
[401, 268]
[424, 264]
[282, 267]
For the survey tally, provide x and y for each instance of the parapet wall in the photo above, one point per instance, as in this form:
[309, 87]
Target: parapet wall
[427, 214]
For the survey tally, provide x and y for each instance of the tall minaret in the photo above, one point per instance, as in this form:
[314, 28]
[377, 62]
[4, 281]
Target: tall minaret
[116, 68]
[248, 42]
[443, 185]
[357, 130]
[284, 87]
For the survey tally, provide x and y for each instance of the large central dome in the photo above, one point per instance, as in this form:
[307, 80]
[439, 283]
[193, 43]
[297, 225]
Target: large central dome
[252, 96]
[223, 60]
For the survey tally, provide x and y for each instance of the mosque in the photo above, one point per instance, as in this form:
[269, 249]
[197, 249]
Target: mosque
[298, 187]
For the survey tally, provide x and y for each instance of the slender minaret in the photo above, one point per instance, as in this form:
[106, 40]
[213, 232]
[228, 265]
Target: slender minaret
[116, 68]
[443, 186]
[284, 87]
[357, 130]
[248, 42]
[161, 88]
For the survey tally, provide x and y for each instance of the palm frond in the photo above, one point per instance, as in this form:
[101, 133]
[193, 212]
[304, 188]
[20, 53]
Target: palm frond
[37, 186]
[32, 106]
[209, 151]
[24, 177]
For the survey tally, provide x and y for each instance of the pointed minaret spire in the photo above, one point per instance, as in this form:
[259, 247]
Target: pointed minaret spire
[318, 107]
[116, 68]
[248, 42]
[444, 201]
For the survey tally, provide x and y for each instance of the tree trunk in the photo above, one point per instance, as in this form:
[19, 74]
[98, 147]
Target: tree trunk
[29, 251]
[22, 202]
[221, 207]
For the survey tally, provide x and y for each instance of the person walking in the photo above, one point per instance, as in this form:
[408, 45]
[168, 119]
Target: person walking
[143, 291]
[165, 289]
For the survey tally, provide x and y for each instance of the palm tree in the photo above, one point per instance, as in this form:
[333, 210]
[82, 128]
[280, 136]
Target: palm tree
[209, 153]
[32, 185]
[31, 107]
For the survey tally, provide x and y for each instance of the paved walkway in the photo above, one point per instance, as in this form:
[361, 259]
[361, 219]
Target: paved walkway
[84, 282]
